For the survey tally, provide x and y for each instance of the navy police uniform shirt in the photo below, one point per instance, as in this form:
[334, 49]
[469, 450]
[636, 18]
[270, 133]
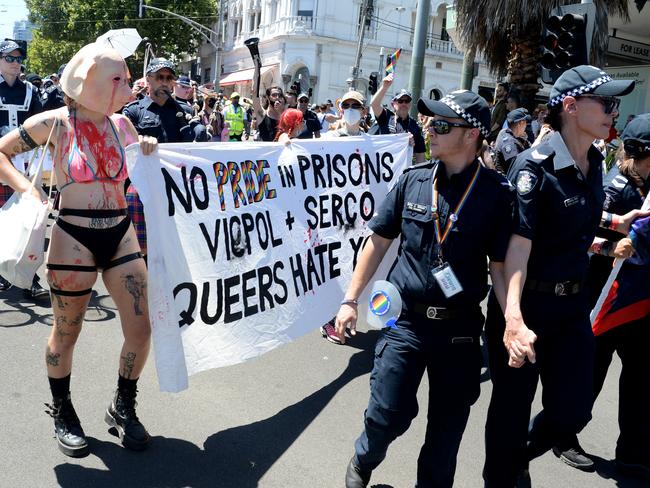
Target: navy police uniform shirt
[506, 149]
[161, 122]
[52, 98]
[15, 95]
[482, 230]
[622, 194]
[389, 123]
[559, 209]
[312, 125]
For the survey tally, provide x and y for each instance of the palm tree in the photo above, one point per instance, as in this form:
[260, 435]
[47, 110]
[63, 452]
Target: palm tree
[508, 34]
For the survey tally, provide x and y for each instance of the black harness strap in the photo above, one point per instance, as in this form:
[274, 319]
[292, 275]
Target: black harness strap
[123, 259]
[71, 267]
[66, 293]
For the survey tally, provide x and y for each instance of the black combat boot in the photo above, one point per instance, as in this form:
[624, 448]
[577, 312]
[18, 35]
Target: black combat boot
[121, 415]
[67, 428]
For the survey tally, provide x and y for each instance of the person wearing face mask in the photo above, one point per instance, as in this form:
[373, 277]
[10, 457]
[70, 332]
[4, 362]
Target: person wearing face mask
[350, 124]
[353, 110]
[544, 330]
[211, 117]
[399, 121]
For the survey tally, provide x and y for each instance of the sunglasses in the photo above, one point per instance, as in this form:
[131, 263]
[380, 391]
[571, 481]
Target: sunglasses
[164, 78]
[14, 59]
[403, 100]
[357, 106]
[442, 127]
[609, 103]
[304, 100]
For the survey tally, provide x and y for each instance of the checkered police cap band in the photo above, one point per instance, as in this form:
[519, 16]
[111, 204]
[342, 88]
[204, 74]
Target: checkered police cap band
[581, 90]
[160, 65]
[465, 115]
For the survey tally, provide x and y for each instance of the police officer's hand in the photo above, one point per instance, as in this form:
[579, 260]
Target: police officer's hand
[148, 144]
[626, 220]
[519, 341]
[623, 249]
[346, 318]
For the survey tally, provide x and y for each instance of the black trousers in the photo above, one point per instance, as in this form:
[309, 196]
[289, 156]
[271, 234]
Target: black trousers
[565, 357]
[630, 341]
[453, 367]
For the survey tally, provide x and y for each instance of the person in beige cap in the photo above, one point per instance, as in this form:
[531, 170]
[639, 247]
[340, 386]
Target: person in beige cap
[92, 233]
[353, 113]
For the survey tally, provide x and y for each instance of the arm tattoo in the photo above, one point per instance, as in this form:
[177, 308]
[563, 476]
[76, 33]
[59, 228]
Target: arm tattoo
[19, 147]
[26, 137]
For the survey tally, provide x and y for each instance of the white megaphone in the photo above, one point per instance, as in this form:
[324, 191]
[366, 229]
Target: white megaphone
[384, 305]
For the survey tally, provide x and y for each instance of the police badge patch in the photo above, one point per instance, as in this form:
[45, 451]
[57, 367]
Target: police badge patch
[508, 148]
[525, 181]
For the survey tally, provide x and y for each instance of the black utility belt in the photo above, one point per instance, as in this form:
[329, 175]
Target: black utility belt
[559, 289]
[442, 313]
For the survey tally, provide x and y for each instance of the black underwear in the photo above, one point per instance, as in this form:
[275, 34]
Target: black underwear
[102, 243]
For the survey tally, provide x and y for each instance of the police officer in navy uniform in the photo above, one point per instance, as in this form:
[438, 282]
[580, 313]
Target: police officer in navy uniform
[626, 187]
[18, 101]
[512, 140]
[158, 114]
[450, 215]
[547, 331]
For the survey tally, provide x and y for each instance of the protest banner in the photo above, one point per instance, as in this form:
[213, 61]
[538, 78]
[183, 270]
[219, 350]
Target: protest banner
[251, 245]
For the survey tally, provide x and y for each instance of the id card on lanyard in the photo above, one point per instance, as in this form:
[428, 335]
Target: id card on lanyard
[444, 275]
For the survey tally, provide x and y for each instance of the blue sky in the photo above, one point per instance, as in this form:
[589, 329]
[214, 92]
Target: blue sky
[11, 11]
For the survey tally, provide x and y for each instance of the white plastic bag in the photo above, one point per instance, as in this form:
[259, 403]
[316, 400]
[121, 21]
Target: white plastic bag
[23, 222]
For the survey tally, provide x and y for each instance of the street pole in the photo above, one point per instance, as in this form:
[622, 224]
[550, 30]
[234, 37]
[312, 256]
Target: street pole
[381, 65]
[467, 73]
[417, 59]
[219, 49]
[357, 57]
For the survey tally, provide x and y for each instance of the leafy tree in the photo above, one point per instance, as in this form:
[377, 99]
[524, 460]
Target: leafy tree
[80, 22]
[508, 34]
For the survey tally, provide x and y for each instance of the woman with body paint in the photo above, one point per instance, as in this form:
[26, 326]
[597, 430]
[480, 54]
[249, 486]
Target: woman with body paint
[92, 233]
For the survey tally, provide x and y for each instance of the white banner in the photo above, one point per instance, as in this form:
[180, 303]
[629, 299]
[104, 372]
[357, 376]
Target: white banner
[252, 245]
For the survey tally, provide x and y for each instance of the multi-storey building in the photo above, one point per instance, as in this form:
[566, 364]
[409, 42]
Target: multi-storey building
[315, 42]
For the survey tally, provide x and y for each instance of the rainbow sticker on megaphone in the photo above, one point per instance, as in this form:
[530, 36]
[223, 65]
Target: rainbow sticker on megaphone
[384, 305]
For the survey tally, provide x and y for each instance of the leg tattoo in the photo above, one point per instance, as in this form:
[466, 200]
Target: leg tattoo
[129, 363]
[135, 285]
[52, 358]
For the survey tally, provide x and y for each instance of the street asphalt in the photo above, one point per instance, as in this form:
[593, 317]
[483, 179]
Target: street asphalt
[288, 419]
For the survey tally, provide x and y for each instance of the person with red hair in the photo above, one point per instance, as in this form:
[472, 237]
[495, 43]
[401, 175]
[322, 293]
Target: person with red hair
[291, 124]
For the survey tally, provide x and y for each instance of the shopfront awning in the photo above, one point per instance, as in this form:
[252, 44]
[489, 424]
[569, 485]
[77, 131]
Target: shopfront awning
[242, 76]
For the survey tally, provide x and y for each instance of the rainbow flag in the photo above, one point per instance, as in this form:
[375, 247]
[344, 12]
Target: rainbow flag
[391, 62]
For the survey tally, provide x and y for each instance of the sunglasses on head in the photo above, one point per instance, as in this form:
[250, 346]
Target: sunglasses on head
[442, 127]
[345, 105]
[12, 59]
[609, 103]
[165, 78]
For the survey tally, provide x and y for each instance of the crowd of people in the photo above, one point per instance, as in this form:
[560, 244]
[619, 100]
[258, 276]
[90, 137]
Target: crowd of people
[488, 184]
